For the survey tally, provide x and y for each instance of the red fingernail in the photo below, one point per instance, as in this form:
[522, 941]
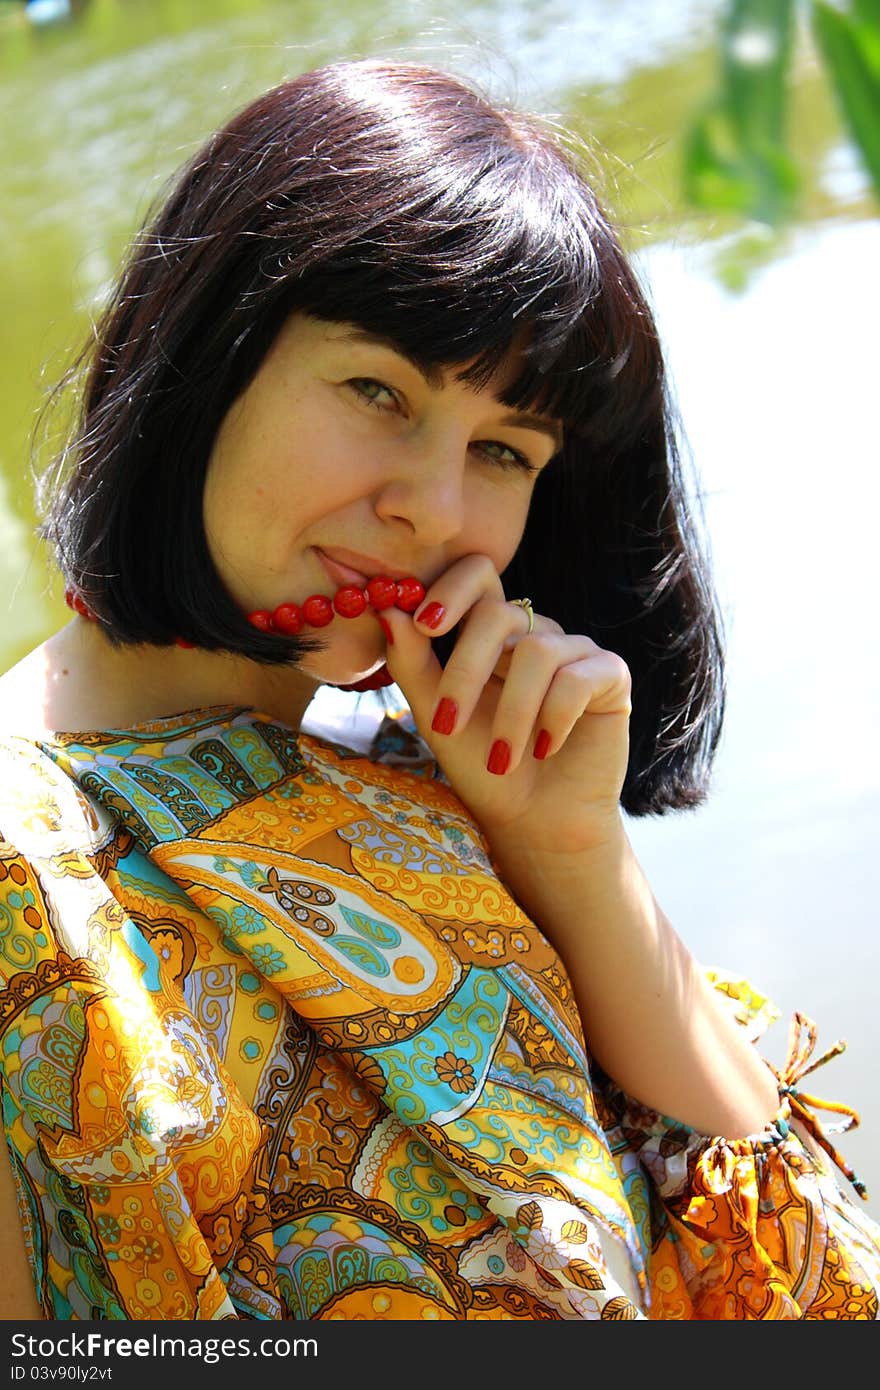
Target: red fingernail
[386, 628]
[445, 716]
[499, 757]
[431, 615]
[542, 745]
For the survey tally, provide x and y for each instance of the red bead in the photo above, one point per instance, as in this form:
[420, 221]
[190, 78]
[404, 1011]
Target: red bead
[261, 619]
[382, 592]
[182, 642]
[317, 610]
[349, 601]
[288, 619]
[410, 593]
[376, 681]
[381, 678]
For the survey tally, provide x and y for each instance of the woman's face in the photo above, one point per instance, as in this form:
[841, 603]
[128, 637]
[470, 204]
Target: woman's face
[341, 448]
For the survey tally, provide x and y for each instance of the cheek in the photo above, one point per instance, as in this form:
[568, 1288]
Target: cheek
[497, 521]
[228, 465]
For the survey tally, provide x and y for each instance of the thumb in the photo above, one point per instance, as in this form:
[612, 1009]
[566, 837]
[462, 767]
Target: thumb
[413, 664]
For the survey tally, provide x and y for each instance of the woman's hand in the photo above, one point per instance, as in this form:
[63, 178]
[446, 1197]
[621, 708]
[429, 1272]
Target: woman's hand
[509, 695]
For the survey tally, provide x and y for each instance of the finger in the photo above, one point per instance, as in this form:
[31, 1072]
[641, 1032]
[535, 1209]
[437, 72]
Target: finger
[455, 592]
[598, 684]
[533, 672]
[542, 624]
[412, 664]
[483, 649]
[409, 655]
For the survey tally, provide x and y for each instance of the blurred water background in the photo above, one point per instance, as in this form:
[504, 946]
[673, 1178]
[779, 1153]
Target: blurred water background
[771, 341]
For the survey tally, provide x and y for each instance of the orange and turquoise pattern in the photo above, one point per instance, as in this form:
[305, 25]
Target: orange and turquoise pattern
[277, 1043]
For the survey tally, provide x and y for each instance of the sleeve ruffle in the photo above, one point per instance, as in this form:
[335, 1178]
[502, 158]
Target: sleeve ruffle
[756, 1227]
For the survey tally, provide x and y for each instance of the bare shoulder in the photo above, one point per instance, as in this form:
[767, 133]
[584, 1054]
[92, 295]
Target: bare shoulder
[23, 695]
[50, 689]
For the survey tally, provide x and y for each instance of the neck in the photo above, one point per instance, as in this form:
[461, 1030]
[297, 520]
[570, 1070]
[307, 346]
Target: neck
[90, 684]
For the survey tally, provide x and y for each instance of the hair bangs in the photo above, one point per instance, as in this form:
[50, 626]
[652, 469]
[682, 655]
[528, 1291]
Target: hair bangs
[452, 285]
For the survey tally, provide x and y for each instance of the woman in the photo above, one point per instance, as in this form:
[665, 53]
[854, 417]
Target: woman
[290, 1031]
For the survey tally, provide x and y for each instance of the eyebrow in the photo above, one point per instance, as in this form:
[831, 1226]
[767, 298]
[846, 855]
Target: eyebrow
[433, 377]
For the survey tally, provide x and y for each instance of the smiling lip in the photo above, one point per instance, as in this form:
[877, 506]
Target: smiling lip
[340, 565]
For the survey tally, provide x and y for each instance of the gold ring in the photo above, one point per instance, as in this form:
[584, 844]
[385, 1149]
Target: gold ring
[526, 603]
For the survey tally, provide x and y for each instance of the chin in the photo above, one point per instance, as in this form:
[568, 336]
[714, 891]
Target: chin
[338, 668]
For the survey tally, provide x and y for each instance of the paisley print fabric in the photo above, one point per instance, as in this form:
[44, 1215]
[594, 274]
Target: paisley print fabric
[277, 1043]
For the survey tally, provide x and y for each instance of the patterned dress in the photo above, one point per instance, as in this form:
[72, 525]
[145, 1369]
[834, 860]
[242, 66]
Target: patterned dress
[277, 1043]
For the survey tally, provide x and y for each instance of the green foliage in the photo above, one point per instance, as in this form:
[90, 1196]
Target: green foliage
[850, 48]
[735, 158]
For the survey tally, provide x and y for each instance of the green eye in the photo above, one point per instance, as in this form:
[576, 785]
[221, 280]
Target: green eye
[370, 390]
[514, 458]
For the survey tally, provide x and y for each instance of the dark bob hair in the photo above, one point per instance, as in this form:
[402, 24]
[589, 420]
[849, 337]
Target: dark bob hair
[394, 196]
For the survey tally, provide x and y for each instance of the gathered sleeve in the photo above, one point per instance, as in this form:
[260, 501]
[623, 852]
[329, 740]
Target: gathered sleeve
[755, 1227]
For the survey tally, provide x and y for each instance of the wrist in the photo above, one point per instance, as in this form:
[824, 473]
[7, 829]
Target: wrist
[591, 847]
[547, 881]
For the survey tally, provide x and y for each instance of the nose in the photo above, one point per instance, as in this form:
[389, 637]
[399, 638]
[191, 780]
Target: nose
[424, 488]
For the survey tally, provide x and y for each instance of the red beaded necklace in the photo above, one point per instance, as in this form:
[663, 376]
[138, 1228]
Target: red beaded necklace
[317, 611]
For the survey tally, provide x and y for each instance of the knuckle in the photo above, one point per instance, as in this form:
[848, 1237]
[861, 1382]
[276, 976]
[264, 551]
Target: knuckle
[622, 672]
[516, 715]
[538, 646]
[462, 671]
[569, 681]
[479, 572]
[488, 604]
[485, 566]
